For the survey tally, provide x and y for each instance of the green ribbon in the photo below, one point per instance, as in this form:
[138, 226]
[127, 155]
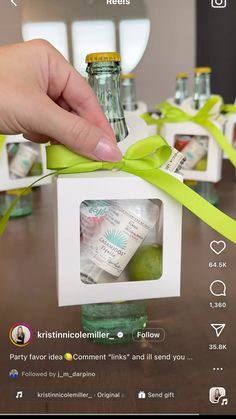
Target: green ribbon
[228, 109]
[144, 159]
[172, 114]
[2, 142]
[152, 121]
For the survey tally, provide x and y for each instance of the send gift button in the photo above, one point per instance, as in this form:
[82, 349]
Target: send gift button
[150, 335]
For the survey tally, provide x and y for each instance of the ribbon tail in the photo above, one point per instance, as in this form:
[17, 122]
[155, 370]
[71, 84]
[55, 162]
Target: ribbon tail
[221, 140]
[216, 219]
[4, 219]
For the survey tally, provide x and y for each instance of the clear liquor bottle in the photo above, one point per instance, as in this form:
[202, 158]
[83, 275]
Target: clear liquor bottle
[117, 320]
[104, 77]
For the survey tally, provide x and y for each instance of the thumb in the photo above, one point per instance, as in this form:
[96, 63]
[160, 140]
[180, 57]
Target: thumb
[75, 133]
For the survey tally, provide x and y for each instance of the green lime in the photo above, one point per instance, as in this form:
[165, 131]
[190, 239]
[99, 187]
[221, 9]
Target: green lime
[146, 264]
[201, 165]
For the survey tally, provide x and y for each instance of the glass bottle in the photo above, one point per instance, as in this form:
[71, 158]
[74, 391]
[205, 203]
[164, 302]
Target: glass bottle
[104, 77]
[117, 319]
[24, 205]
[181, 88]
[128, 92]
[202, 92]
[202, 87]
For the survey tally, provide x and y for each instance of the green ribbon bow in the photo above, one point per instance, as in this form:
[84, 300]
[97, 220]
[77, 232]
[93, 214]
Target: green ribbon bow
[173, 114]
[144, 159]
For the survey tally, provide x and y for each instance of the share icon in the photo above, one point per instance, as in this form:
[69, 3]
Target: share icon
[218, 328]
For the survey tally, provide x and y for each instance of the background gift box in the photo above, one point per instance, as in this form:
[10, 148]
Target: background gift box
[32, 162]
[211, 172]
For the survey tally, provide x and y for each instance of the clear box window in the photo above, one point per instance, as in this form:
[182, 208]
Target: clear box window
[121, 240]
[24, 160]
[195, 150]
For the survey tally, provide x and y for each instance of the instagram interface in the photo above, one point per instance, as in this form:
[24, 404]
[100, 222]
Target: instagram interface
[117, 207]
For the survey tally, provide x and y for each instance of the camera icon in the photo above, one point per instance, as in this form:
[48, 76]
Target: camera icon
[218, 4]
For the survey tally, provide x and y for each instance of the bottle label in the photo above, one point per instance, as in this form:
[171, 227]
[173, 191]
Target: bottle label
[175, 162]
[194, 151]
[92, 213]
[118, 237]
[21, 164]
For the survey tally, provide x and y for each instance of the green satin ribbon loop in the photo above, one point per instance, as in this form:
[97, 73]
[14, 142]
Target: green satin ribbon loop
[171, 113]
[147, 154]
[204, 118]
[143, 159]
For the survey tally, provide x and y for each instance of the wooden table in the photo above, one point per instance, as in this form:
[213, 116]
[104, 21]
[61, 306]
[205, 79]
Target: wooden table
[28, 294]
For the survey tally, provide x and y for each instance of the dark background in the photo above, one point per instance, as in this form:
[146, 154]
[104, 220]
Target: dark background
[216, 40]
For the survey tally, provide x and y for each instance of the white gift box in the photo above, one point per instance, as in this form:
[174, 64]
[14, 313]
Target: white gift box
[6, 181]
[214, 154]
[230, 131]
[142, 108]
[72, 190]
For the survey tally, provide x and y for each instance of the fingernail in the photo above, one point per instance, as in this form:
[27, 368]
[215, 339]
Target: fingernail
[107, 151]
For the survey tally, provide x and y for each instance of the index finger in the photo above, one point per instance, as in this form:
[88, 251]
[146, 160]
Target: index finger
[76, 92]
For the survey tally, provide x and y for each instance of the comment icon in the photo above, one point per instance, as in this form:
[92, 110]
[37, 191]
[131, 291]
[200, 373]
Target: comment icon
[218, 288]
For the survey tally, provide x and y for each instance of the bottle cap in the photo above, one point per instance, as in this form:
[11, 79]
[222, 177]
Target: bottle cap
[103, 57]
[19, 191]
[127, 76]
[182, 75]
[201, 70]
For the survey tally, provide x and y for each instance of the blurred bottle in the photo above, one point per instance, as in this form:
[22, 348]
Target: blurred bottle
[202, 92]
[128, 92]
[181, 88]
[202, 86]
[24, 205]
[118, 320]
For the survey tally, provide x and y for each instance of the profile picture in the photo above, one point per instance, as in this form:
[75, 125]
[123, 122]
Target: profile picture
[20, 334]
[13, 374]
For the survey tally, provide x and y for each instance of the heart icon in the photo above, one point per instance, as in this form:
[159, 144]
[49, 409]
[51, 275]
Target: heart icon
[218, 246]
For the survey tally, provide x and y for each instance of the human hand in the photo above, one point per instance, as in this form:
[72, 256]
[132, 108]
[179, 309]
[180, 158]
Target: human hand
[43, 97]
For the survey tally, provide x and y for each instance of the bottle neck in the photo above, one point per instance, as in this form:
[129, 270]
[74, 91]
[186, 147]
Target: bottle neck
[202, 90]
[104, 78]
[181, 90]
[128, 94]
